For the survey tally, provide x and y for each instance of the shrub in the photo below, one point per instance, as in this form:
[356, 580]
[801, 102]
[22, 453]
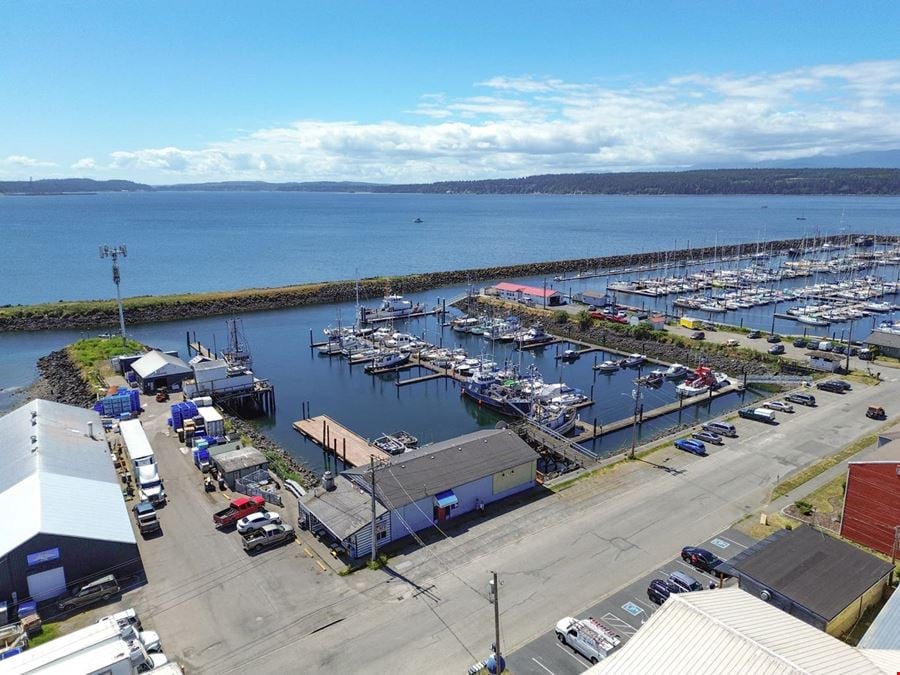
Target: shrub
[560, 317]
[584, 319]
[804, 507]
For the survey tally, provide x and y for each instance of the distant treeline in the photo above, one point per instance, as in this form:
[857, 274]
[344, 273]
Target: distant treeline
[699, 182]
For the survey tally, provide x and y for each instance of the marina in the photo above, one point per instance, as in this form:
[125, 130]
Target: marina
[335, 438]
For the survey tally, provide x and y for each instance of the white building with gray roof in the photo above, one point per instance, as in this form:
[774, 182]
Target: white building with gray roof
[64, 518]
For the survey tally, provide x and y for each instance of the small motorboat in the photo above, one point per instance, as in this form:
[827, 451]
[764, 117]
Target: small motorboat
[570, 355]
[633, 361]
[418, 220]
[675, 371]
[607, 367]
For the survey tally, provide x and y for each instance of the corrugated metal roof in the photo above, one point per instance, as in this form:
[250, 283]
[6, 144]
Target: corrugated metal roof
[815, 570]
[62, 483]
[447, 465]
[344, 510]
[884, 633]
[156, 363]
[730, 631]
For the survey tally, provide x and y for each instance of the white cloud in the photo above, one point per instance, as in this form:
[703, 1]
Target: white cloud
[22, 161]
[86, 163]
[520, 125]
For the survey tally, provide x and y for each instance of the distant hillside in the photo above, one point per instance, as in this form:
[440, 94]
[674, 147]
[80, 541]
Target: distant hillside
[706, 182]
[782, 181]
[57, 186]
[263, 186]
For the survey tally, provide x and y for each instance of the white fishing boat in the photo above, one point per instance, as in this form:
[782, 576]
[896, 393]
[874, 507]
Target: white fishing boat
[692, 388]
[536, 335]
[390, 359]
[391, 307]
[633, 361]
[812, 320]
[607, 367]
[675, 371]
[570, 355]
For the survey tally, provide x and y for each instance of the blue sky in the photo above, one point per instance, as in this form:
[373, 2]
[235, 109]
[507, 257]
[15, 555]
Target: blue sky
[419, 91]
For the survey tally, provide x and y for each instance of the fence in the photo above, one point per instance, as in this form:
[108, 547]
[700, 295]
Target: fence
[258, 484]
[795, 380]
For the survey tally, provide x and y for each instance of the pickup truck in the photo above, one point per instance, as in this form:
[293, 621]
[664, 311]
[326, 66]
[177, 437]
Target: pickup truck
[146, 517]
[267, 535]
[758, 414]
[237, 509]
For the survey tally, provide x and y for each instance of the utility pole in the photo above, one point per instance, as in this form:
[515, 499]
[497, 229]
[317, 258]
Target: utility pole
[849, 342]
[636, 395]
[545, 294]
[497, 658]
[374, 534]
[114, 253]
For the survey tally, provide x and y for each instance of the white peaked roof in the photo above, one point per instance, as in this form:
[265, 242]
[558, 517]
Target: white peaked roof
[157, 364]
[730, 631]
[56, 479]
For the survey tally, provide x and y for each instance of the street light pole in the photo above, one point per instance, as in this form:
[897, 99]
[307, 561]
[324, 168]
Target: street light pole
[636, 394]
[498, 667]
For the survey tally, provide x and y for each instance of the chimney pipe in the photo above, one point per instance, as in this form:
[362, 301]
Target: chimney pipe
[91, 430]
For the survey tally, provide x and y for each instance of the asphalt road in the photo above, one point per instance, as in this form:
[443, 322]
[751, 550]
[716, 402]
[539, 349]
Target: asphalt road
[558, 554]
[625, 611]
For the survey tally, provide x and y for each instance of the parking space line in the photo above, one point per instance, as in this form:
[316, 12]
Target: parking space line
[619, 624]
[573, 655]
[543, 666]
[694, 569]
[645, 603]
[731, 541]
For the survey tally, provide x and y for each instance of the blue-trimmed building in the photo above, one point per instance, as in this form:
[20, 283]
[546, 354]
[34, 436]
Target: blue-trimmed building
[420, 489]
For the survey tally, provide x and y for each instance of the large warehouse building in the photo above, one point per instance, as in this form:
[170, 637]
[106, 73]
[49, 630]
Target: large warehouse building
[64, 518]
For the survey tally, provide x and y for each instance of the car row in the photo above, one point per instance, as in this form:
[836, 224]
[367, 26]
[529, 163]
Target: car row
[659, 590]
[835, 386]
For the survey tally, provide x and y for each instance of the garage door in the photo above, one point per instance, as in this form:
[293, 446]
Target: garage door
[47, 584]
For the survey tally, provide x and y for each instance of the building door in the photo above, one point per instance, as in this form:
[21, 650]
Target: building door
[47, 584]
[440, 513]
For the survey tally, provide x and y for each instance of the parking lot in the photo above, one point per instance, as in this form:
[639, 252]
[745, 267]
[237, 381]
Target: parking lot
[624, 611]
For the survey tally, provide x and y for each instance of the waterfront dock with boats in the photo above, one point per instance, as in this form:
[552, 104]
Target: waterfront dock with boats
[336, 439]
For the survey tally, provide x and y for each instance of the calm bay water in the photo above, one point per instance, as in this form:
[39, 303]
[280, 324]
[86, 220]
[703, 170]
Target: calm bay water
[181, 242]
[203, 241]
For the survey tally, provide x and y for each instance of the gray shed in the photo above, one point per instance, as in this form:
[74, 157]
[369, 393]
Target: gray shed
[239, 463]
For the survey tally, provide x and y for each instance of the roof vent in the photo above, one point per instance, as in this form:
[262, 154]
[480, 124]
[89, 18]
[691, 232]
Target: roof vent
[765, 595]
[328, 481]
[91, 430]
[34, 440]
[34, 418]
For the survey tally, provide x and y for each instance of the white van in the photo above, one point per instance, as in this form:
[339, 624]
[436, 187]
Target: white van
[591, 638]
[764, 415]
[150, 484]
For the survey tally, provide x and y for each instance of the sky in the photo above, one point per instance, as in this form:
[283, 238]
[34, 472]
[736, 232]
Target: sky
[395, 91]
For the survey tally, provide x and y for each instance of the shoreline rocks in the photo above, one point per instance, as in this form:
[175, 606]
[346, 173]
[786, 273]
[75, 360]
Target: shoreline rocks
[308, 477]
[96, 315]
[61, 381]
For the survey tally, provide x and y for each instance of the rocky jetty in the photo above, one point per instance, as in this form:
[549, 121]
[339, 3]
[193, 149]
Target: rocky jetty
[102, 314]
[62, 381]
[274, 452]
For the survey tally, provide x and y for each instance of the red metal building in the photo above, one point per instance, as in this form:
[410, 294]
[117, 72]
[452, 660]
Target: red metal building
[871, 515]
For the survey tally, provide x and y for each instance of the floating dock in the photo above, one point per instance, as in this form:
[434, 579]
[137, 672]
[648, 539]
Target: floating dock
[334, 437]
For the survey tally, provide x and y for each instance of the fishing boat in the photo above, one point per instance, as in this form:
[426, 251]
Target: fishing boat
[879, 307]
[536, 335]
[702, 382]
[570, 355]
[389, 359]
[389, 444]
[418, 220]
[464, 324]
[391, 307]
[633, 361]
[654, 379]
[558, 418]
[607, 367]
[812, 320]
[675, 371]
[331, 348]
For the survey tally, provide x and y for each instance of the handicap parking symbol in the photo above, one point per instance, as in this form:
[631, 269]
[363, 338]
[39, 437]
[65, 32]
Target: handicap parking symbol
[720, 543]
[632, 608]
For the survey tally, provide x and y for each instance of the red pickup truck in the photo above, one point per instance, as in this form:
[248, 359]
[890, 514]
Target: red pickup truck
[237, 509]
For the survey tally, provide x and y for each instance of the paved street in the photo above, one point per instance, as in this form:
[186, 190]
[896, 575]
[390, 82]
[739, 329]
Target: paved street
[624, 610]
[558, 554]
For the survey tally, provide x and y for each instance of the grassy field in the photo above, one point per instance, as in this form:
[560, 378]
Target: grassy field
[89, 353]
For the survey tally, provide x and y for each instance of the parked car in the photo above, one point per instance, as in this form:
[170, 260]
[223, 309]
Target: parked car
[146, 517]
[703, 560]
[698, 335]
[831, 385]
[707, 437]
[776, 350]
[758, 414]
[711, 327]
[800, 342]
[267, 535]
[731, 342]
[659, 590]
[773, 339]
[802, 399]
[754, 335]
[685, 583]
[721, 428]
[690, 445]
[256, 520]
[780, 406]
[866, 355]
[95, 591]
[237, 509]
[875, 413]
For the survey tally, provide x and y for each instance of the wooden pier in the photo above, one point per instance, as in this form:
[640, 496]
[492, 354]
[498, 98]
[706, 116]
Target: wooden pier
[589, 432]
[335, 438]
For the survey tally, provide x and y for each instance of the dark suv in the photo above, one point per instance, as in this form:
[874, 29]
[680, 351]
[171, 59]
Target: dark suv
[659, 590]
[703, 560]
[833, 386]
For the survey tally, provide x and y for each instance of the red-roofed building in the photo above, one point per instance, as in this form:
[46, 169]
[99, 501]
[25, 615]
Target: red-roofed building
[871, 514]
[528, 294]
